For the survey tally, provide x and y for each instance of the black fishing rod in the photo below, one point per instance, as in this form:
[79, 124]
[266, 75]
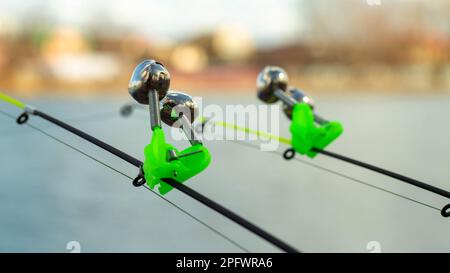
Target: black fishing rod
[272, 85]
[391, 174]
[28, 110]
[445, 211]
[127, 109]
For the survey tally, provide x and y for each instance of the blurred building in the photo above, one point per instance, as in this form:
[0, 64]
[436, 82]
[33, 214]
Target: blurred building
[68, 56]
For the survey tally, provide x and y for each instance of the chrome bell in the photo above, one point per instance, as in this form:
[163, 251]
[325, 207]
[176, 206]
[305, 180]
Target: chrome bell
[269, 80]
[147, 76]
[179, 110]
[177, 104]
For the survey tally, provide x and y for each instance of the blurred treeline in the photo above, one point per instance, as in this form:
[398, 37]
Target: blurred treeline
[399, 46]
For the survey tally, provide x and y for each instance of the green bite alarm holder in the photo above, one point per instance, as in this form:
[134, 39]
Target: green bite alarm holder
[149, 84]
[310, 132]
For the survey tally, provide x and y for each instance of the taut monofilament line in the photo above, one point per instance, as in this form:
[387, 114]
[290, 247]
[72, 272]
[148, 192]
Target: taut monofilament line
[167, 168]
[28, 110]
[127, 110]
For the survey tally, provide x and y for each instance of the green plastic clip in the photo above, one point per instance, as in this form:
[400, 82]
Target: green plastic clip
[306, 135]
[162, 160]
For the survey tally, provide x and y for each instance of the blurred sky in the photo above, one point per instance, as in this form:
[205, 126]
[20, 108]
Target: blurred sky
[269, 22]
[171, 19]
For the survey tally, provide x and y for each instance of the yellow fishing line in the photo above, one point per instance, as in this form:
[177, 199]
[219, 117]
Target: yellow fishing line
[251, 131]
[12, 101]
[22, 105]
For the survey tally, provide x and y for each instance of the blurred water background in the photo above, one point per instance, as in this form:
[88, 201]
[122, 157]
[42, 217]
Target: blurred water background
[51, 195]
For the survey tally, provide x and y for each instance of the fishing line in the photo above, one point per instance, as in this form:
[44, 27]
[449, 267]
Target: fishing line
[181, 187]
[28, 110]
[386, 172]
[84, 119]
[445, 211]
[130, 159]
[131, 178]
[231, 215]
[341, 175]
[127, 110]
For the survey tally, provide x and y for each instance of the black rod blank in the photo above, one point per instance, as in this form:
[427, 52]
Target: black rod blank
[90, 138]
[397, 176]
[231, 215]
[183, 188]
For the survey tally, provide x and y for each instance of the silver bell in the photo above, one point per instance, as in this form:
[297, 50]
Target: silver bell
[177, 104]
[269, 80]
[179, 110]
[149, 75]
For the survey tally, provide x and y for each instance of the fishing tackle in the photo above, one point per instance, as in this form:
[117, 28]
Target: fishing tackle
[309, 139]
[294, 97]
[149, 84]
[28, 110]
[272, 85]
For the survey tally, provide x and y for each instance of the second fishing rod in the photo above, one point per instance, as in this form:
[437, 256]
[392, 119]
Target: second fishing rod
[311, 133]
